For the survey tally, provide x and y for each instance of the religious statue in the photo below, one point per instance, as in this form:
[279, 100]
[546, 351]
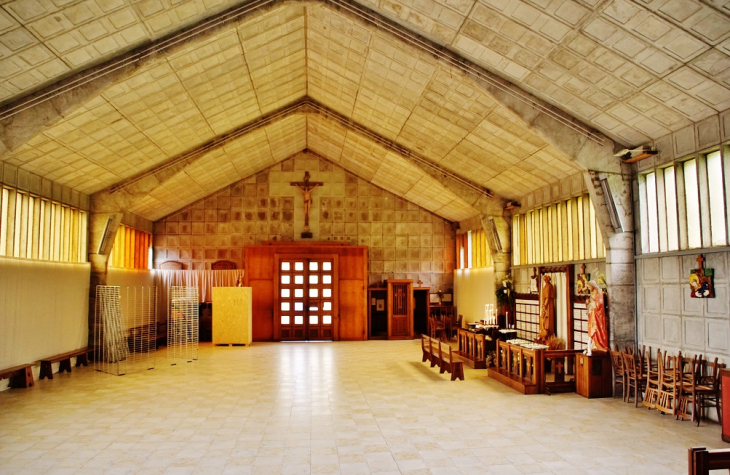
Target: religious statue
[547, 309]
[306, 187]
[597, 326]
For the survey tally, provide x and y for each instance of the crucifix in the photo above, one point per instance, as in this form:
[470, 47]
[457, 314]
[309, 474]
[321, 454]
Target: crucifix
[306, 186]
[559, 373]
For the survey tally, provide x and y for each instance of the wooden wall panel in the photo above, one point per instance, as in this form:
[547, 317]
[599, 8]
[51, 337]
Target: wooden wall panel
[353, 263]
[258, 262]
[263, 309]
[353, 310]
[259, 272]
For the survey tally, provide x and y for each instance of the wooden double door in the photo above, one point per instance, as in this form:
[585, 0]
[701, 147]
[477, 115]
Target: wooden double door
[306, 297]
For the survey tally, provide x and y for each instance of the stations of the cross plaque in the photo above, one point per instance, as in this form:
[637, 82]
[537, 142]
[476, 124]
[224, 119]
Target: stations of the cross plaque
[306, 187]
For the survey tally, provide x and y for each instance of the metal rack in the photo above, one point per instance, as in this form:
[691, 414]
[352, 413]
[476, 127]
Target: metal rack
[182, 324]
[125, 329]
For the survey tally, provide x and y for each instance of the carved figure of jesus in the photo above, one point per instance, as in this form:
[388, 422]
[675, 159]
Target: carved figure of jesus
[547, 308]
[306, 187]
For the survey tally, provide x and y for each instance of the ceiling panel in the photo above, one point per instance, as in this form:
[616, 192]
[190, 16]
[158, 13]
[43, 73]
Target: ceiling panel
[634, 71]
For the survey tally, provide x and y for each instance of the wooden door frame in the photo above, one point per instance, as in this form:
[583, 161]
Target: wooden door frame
[335, 291]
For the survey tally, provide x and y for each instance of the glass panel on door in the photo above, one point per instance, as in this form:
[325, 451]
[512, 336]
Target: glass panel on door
[305, 293]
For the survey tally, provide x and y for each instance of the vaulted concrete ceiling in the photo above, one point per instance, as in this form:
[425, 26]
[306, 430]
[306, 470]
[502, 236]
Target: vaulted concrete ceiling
[385, 96]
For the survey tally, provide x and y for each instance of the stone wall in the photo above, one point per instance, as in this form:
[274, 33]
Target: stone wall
[670, 319]
[404, 240]
[667, 317]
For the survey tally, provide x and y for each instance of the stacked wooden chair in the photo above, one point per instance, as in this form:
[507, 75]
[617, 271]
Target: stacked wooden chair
[619, 375]
[670, 380]
[651, 371]
[634, 376]
[681, 386]
[699, 388]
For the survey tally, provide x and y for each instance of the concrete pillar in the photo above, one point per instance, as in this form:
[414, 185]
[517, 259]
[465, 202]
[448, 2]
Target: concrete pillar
[502, 251]
[619, 241]
[103, 226]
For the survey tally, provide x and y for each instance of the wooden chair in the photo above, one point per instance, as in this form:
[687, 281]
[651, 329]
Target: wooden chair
[670, 379]
[223, 265]
[651, 372]
[707, 390]
[686, 407]
[701, 460]
[172, 265]
[452, 326]
[634, 371]
[619, 375]
[437, 329]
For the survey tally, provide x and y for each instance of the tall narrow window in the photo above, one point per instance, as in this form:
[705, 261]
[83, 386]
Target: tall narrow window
[4, 221]
[717, 199]
[468, 251]
[670, 197]
[516, 240]
[560, 232]
[131, 248]
[692, 198]
[32, 227]
[529, 233]
[651, 212]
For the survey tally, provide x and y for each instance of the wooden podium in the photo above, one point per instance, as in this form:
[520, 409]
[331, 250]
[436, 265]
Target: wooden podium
[593, 375]
[232, 316]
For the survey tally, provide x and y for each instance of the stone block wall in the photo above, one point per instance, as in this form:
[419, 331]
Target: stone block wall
[668, 318]
[404, 240]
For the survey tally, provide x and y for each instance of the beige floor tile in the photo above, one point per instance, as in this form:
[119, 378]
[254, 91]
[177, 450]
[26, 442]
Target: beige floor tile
[347, 407]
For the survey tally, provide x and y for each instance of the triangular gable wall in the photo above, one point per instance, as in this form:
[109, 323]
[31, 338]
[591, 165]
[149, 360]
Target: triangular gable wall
[405, 241]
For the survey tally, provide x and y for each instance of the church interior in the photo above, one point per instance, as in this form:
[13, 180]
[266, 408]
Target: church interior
[363, 236]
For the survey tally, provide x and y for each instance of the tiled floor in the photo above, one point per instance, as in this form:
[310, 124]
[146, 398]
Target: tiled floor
[349, 407]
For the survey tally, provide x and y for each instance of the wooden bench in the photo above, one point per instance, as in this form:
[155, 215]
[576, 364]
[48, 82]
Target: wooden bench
[701, 460]
[430, 348]
[65, 362]
[426, 348]
[20, 376]
[451, 363]
[447, 361]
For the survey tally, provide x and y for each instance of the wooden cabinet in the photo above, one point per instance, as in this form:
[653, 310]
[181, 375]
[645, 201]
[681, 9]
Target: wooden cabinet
[400, 309]
[593, 375]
